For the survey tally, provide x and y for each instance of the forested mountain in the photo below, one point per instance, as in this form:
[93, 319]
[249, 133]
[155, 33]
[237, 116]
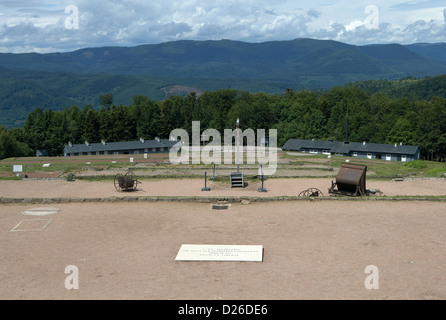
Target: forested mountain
[58, 80]
[303, 88]
[276, 60]
[410, 88]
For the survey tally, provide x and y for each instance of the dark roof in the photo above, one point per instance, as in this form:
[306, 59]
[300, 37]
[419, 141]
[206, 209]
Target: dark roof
[345, 148]
[118, 146]
[42, 152]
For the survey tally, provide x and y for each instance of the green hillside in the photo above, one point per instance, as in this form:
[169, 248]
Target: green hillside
[411, 88]
[276, 61]
[57, 80]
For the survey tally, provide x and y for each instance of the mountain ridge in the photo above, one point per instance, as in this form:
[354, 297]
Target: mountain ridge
[189, 58]
[56, 80]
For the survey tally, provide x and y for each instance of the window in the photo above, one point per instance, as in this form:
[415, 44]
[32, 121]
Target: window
[388, 157]
[136, 152]
[313, 151]
[153, 149]
[403, 158]
[355, 154]
[325, 152]
[369, 156]
[116, 152]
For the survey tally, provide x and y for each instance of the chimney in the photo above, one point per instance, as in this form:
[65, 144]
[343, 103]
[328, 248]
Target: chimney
[363, 143]
[103, 142]
[70, 144]
[346, 130]
[142, 140]
[157, 139]
[87, 144]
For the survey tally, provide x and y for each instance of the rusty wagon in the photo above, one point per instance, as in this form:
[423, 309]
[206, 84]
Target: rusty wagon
[126, 182]
[350, 181]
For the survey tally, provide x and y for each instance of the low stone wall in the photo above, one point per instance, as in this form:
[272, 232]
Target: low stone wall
[209, 199]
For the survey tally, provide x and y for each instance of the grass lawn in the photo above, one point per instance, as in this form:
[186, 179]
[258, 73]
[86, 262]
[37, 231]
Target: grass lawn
[380, 169]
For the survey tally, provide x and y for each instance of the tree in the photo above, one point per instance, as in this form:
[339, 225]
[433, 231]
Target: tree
[91, 127]
[10, 147]
[147, 116]
[106, 100]
[123, 128]
[402, 132]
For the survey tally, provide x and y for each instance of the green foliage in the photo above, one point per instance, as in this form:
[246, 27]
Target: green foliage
[436, 172]
[416, 164]
[59, 80]
[10, 147]
[106, 100]
[304, 114]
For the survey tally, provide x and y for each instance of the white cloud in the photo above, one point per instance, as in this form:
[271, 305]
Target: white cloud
[40, 24]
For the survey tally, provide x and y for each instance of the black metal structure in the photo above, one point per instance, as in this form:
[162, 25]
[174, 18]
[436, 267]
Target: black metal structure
[311, 192]
[350, 181]
[126, 182]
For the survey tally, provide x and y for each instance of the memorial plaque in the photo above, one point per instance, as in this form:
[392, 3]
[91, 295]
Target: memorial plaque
[43, 211]
[202, 252]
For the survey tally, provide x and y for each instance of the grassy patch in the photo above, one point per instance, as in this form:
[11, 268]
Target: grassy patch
[436, 172]
[10, 178]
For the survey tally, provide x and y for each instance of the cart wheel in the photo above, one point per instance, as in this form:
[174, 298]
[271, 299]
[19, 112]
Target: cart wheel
[312, 192]
[130, 176]
[118, 177]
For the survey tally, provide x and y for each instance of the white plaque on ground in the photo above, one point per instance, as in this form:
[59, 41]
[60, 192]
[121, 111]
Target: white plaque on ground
[207, 252]
[44, 211]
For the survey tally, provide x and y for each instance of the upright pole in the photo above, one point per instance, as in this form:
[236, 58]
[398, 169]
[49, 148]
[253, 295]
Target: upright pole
[262, 178]
[205, 187]
[237, 127]
[346, 128]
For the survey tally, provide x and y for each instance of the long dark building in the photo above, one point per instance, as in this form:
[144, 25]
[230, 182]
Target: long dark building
[389, 152]
[115, 148]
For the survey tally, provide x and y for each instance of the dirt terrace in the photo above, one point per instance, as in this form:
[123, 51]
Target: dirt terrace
[192, 187]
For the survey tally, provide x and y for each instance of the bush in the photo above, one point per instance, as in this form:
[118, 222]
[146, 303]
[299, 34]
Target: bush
[416, 164]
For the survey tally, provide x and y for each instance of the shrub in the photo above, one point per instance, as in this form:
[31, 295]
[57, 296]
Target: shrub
[416, 164]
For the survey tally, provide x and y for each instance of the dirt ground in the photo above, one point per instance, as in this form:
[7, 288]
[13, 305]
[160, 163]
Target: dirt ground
[192, 187]
[312, 250]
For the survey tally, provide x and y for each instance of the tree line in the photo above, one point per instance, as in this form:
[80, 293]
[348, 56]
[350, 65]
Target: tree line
[305, 114]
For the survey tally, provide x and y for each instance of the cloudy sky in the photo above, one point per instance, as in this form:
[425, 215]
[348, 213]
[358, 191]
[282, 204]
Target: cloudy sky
[64, 25]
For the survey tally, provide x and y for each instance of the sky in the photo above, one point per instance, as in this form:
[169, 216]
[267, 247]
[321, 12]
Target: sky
[45, 26]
